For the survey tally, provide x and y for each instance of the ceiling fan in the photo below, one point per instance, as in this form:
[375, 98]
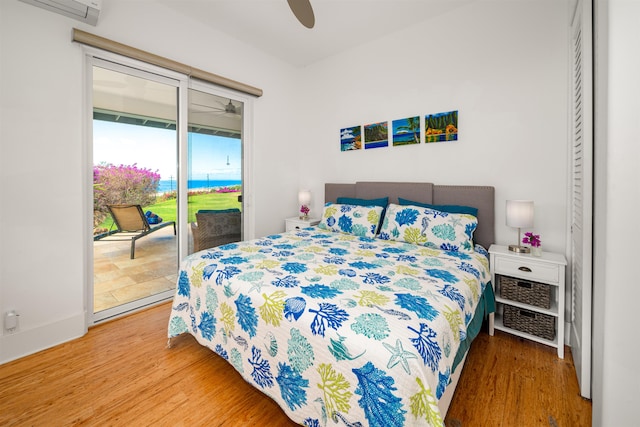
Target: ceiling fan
[224, 109]
[303, 11]
[231, 108]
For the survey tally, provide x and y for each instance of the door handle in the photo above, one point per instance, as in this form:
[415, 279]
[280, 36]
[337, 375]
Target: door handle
[527, 269]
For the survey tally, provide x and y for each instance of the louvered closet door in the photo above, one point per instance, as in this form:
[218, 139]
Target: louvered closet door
[582, 187]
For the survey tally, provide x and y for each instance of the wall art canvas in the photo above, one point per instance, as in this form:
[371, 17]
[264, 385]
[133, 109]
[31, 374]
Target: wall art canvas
[350, 138]
[406, 131]
[376, 135]
[441, 127]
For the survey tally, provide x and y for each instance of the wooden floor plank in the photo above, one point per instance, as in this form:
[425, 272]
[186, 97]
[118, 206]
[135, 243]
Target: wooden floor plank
[122, 374]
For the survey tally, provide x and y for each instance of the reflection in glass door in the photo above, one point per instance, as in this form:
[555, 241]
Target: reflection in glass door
[215, 170]
[134, 162]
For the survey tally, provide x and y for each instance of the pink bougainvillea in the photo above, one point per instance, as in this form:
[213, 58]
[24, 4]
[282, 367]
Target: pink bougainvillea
[531, 239]
[122, 184]
[228, 189]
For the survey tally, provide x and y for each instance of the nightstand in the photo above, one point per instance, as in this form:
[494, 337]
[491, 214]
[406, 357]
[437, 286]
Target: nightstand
[297, 223]
[529, 295]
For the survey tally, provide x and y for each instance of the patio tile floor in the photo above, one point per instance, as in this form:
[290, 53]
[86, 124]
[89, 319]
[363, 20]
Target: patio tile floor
[119, 279]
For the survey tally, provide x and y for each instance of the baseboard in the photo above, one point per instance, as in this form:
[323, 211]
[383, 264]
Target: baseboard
[26, 342]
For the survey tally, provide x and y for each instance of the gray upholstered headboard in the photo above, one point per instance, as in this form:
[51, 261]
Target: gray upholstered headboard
[480, 197]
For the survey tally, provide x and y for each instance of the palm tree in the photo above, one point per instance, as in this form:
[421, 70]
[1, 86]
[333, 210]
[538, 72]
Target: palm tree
[413, 125]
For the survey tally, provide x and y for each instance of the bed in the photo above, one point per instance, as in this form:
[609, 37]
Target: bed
[365, 319]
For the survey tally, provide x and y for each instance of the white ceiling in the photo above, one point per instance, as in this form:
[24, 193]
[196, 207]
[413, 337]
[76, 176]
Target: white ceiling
[270, 26]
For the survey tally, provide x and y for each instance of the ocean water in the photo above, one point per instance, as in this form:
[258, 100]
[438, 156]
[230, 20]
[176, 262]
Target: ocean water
[376, 144]
[404, 137]
[196, 184]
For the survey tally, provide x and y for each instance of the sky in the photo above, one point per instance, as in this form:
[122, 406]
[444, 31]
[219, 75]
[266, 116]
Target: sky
[155, 149]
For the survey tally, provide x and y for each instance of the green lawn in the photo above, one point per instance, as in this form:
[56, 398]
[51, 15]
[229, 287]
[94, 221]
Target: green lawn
[167, 209]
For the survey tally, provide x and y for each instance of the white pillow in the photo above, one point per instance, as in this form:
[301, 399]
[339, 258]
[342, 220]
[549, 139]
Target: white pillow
[357, 220]
[429, 227]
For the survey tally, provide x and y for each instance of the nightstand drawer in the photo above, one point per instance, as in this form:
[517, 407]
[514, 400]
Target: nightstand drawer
[527, 268]
[296, 223]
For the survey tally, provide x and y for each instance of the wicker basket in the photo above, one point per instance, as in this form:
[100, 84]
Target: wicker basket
[538, 324]
[532, 293]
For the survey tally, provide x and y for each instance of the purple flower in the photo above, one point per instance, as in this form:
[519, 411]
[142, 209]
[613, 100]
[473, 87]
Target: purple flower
[123, 184]
[531, 239]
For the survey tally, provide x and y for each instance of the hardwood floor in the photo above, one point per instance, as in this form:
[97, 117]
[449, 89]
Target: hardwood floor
[509, 381]
[122, 374]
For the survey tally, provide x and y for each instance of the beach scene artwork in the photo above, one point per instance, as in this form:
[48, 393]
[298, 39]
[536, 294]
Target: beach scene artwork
[376, 135]
[441, 127]
[350, 138]
[406, 131]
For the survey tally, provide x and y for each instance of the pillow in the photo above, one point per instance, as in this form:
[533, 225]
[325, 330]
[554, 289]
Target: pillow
[352, 219]
[383, 201]
[444, 208]
[429, 227]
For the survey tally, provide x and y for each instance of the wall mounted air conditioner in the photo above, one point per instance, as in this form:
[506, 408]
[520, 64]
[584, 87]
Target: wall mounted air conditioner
[82, 10]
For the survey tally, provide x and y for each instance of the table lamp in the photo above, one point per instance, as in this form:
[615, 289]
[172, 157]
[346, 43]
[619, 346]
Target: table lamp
[519, 215]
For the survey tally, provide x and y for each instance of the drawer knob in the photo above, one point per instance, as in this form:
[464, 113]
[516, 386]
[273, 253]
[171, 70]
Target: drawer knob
[527, 269]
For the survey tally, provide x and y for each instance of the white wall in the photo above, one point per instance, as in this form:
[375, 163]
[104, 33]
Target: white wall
[616, 382]
[492, 61]
[41, 249]
[43, 228]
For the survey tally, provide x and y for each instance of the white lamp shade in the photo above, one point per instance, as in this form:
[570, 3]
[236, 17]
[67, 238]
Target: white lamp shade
[520, 213]
[304, 197]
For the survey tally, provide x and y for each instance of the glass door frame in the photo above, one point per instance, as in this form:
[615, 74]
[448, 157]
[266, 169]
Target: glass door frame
[147, 72]
[182, 82]
[248, 226]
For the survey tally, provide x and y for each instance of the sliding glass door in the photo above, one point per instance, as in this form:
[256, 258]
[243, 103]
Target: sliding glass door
[164, 150]
[214, 170]
[134, 181]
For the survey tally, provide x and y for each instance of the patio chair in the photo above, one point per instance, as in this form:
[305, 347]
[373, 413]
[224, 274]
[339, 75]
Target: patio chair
[131, 224]
[214, 228]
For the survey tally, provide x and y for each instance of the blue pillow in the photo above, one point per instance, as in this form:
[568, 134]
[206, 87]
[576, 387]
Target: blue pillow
[383, 201]
[459, 209]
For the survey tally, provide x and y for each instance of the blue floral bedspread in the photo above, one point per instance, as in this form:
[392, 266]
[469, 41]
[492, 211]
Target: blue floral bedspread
[334, 327]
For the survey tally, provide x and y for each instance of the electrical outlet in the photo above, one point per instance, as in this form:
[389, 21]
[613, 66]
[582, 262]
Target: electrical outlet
[11, 321]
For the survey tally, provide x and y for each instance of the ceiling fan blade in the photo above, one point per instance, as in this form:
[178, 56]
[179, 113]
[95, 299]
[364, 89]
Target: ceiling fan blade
[303, 11]
[221, 108]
